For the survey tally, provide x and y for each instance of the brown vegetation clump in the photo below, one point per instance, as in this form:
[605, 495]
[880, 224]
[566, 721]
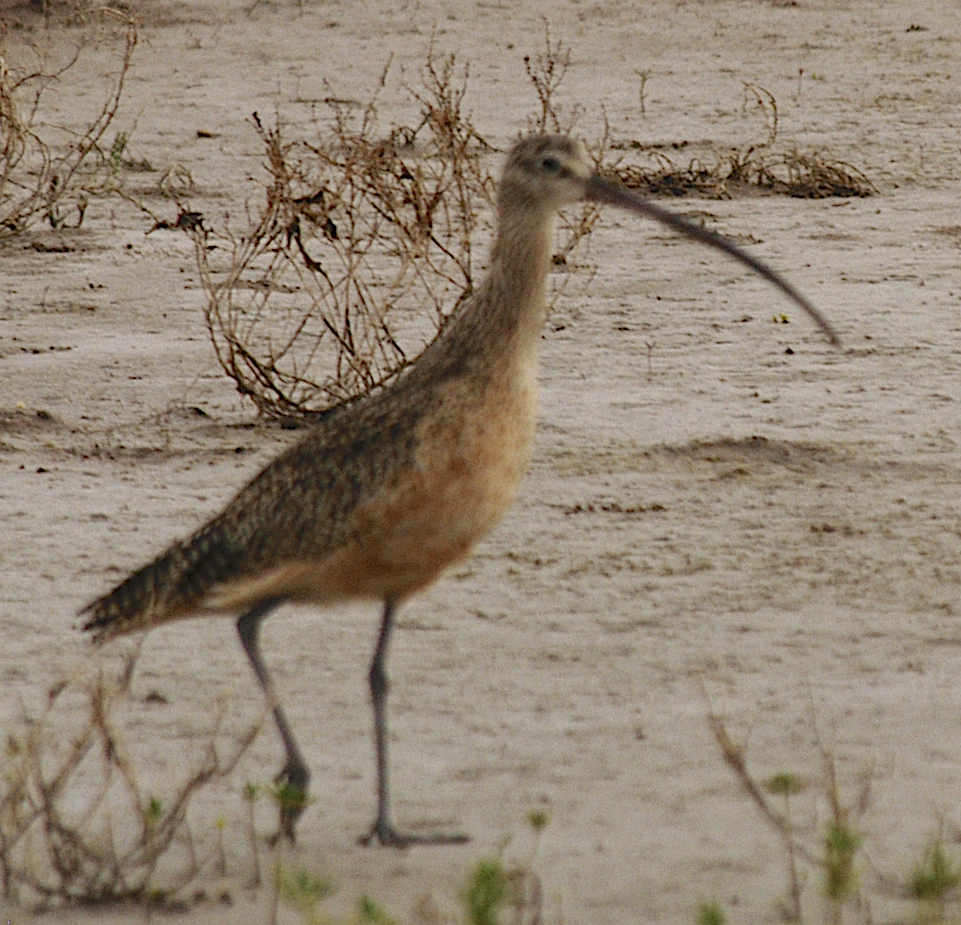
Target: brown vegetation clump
[366, 241]
[78, 823]
[757, 168]
[805, 175]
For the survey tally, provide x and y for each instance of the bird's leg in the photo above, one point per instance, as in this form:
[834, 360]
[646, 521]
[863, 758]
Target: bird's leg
[294, 776]
[383, 830]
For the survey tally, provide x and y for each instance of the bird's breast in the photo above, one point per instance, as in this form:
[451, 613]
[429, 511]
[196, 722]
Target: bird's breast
[471, 449]
[468, 465]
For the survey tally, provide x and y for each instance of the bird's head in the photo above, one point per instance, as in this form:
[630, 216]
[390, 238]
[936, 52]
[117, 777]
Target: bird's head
[544, 173]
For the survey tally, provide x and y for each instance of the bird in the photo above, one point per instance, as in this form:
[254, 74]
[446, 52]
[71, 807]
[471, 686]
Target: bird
[389, 489]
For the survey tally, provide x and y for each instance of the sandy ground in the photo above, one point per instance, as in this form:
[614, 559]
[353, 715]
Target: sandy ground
[707, 514]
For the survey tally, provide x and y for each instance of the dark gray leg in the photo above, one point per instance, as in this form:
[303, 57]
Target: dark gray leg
[383, 830]
[294, 776]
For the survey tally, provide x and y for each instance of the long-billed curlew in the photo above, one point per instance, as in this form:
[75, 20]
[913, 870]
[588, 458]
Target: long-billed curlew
[390, 489]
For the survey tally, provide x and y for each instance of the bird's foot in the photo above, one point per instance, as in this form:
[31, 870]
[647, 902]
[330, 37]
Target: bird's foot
[383, 832]
[290, 792]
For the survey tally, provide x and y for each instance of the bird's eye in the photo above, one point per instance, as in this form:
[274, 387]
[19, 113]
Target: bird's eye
[551, 164]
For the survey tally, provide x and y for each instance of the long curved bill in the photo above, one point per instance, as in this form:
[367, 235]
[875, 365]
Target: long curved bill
[603, 191]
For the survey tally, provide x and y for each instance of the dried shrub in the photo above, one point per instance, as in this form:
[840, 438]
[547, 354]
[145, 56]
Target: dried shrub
[806, 175]
[77, 825]
[364, 245]
[48, 172]
[364, 241]
[827, 844]
[546, 71]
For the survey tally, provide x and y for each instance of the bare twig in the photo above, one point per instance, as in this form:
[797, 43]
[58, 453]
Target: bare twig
[38, 179]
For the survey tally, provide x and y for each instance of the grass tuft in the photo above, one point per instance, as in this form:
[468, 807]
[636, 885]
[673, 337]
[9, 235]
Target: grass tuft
[758, 167]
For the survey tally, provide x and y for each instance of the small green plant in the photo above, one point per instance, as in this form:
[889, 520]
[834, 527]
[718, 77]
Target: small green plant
[220, 824]
[303, 891]
[251, 793]
[841, 844]
[539, 819]
[486, 892]
[153, 812]
[935, 876]
[710, 912]
[119, 157]
[785, 784]
[372, 913]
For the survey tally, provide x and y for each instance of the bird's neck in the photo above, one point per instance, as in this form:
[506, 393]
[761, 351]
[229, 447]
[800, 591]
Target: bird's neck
[510, 305]
[496, 332]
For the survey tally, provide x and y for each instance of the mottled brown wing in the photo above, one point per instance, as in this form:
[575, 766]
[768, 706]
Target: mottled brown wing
[297, 508]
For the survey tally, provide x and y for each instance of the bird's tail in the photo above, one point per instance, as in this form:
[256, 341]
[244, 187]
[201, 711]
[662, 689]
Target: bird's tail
[149, 596]
[177, 583]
